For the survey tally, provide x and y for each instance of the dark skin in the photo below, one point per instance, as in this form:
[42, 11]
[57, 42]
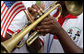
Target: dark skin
[34, 10]
[47, 26]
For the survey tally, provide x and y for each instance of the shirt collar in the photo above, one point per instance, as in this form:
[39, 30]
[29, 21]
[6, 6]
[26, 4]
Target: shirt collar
[70, 16]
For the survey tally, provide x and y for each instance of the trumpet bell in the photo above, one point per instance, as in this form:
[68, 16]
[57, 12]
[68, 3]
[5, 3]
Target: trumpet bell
[3, 50]
[5, 47]
[74, 7]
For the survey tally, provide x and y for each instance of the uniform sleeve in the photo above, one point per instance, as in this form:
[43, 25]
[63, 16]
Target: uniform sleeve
[80, 42]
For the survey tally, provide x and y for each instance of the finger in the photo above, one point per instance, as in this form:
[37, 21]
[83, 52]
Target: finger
[43, 33]
[44, 27]
[47, 19]
[35, 7]
[43, 5]
[31, 10]
[39, 7]
[44, 30]
[33, 29]
[47, 23]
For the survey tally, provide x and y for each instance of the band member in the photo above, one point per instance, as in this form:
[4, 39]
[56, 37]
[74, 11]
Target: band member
[50, 25]
[66, 20]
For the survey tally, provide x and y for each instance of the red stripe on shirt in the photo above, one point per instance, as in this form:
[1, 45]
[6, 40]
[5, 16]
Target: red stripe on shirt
[42, 42]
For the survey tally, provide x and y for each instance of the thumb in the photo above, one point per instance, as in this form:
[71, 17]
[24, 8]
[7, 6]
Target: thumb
[43, 5]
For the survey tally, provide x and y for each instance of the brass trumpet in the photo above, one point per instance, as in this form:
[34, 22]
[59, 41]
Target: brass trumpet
[8, 45]
[35, 34]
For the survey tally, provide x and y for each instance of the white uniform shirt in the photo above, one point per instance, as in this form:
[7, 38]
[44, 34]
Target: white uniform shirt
[75, 25]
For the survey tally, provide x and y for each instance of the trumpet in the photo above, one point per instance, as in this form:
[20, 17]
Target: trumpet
[74, 7]
[35, 34]
[8, 45]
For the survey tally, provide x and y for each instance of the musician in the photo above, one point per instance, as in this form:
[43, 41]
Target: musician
[56, 32]
[60, 30]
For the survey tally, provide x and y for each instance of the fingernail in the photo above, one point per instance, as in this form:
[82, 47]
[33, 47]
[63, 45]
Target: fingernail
[34, 10]
[40, 9]
[37, 30]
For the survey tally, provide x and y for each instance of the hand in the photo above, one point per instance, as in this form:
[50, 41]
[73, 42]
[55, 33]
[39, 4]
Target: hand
[36, 9]
[49, 25]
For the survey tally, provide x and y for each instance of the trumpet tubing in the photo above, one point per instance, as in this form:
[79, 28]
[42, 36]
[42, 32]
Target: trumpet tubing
[35, 34]
[8, 45]
[11, 43]
[32, 38]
